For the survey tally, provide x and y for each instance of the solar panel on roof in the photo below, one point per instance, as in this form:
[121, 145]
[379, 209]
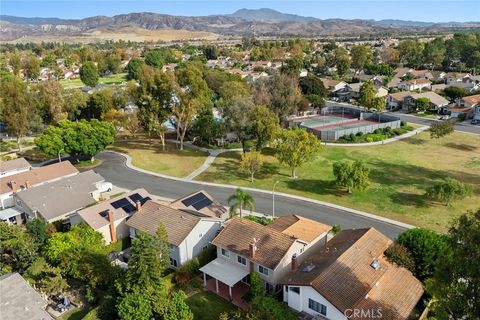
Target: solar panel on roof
[129, 208]
[193, 199]
[202, 203]
[104, 213]
[135, 197]
[120, 203]
[145, 200]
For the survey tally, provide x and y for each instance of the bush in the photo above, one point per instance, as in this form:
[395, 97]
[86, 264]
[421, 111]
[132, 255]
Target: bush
[262, 220]
[196, 283]
[336, 228]
[359, 134]
[190, 267]
[401, 256]
[403, 123]
[387, 130]
[462, 116]
[378, 131]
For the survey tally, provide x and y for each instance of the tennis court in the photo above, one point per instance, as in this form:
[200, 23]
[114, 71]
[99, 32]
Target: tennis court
[320, 121]
[346, 125]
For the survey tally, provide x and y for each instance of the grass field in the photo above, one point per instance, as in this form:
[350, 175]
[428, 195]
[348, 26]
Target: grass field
[149, 155]
[400, 174]
[207, 306]
[108, 80]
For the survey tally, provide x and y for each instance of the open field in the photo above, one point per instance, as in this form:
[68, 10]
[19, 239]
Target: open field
[207, 305]
[108, 80]
[126, 34]
[400, 174]
[149, 155]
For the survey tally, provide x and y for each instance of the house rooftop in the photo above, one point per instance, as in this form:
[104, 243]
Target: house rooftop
[15, 164]
[200, 203]
[432, 96]
[178, 224]
[299, 227]
[37, 175]
[399, 96]
[351, 272]
[122, 206]
[63, 196]
[417, 81]
[472, 100]
[19, 300]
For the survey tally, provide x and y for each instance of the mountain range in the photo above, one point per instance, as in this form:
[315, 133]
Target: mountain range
[259, 22]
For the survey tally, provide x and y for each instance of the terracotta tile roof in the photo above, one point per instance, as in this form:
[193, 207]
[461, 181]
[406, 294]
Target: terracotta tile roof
[38, 175]
[271, 244]
[177, 223]
[342, 273]
[91, 215]
[299, 227]
[417, 81]
[214, 210]
[472, 100]
[15, 164]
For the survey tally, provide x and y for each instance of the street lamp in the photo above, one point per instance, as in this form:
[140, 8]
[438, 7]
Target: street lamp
[273, 198]
[59, 158]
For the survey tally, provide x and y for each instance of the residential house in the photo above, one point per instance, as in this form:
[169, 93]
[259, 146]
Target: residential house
[415, 84]
[437, 102]
[454, 77]
[19, 301]
[25, 180]
[334, 85]
[244, 246]
[470, 106]
[188, 234]
[11, 167]
[60, 199]
[420, 74]
[350, 91]
[351, 273]
[202, 204]
[395, 100]
[109, 217]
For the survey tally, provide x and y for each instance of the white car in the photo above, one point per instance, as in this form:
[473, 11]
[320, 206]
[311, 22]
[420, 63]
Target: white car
[104, 186]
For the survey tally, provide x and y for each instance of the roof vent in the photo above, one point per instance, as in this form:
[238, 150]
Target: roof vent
[308, 268]
[375, 264]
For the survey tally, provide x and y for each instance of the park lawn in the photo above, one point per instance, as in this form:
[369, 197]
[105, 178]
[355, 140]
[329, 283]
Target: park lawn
[207, 305]
[400, 174]
[108, 80]
[173, 162]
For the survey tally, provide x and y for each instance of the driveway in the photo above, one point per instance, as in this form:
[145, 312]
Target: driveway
[113, 169]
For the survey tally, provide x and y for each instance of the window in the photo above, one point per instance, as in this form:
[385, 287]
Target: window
[225, 253]
[242, 260]
[172, 248]
[263, 270]
[317, 306]
[173, 262]
[294, 289]
[268, 287]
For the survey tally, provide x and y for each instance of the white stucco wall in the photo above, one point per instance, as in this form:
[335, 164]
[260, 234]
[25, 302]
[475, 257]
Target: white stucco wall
[199, 238]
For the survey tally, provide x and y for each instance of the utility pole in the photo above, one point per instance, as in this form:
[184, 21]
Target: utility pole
[273, 198]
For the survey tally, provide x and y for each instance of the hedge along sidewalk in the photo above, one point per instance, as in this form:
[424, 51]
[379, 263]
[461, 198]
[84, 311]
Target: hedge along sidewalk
[372, 216]
[376, 143]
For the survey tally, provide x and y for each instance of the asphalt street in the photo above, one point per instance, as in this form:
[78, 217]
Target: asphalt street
[464, 126]
[113, 169]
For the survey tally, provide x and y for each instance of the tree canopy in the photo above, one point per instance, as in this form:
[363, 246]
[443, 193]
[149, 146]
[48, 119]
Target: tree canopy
[352, 175]
[89, 74]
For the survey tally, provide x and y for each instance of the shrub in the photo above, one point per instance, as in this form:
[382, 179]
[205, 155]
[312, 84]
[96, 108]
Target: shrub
[387, 130]
[352, 137]
[336, 228]
[196, 283]
[401, 256]
[190, 267]
[378, 131]
[262, 220]
[462, 116]
[359, 134]
[403, 123]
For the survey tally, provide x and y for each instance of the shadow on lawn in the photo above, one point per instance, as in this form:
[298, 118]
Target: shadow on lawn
[316, 186]
[410, 199]
[461, 146]
[415, 141]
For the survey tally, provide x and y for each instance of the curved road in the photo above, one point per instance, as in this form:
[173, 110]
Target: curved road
[113, 169]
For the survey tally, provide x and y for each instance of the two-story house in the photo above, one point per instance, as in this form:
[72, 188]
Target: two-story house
[334, 85]
[415, 84]
[437, 102]
[244, 246]
[10, 167]
[188, 234]
[469, 105]
[350, 278]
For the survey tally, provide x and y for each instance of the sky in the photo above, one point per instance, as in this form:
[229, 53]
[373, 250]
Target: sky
[420, 10]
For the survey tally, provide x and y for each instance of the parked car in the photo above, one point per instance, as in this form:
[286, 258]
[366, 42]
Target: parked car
[105, 186]
[476, 121]
[445, 117]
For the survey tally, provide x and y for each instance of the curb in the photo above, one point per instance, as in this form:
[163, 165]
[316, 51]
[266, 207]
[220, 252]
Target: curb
[129, 164]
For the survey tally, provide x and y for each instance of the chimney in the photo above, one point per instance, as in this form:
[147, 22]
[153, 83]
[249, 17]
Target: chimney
[113, 232]
[13, 185]
[27, 184]
[252, 250]
[294, 262]
[138, 204]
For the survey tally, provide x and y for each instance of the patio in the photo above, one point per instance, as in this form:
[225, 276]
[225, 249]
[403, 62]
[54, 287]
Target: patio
[239, 290]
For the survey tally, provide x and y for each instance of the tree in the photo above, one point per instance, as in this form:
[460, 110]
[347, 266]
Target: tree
[51, 100]
[441, 129]
[154, 58]
[177, 308]
[135, 306]
[38, 230]
[411, 52]
[193, 95]
[256, 285]
[211, 52]
[456, 281]
[115, 117]
[448, 191]
[163, 246]
[425, 246]
[454, 92]
[17, 107]
[31, 67]
[238, 115]
[352, 175]
[18, 248]
[45, 277]
[77, 101]
[131, 123]
[89, 74]
[361, 56]
[100, 102]
[207, 127]
[239, 200]
[251, 162]
[342, 60]
[401, 255]
[264, 126]
[312, 84]
[294, 147]
[422, 104]
[269, 308]
[367, 95]
[133, 68]
[434, 52]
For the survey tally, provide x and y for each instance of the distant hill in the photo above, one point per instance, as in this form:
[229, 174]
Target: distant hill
[269, 14]
[244, 22]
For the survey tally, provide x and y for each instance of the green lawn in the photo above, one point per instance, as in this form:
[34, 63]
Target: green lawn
[149, 155]
[108, 80]
[208, 306]
[400, 174]
[75, 314]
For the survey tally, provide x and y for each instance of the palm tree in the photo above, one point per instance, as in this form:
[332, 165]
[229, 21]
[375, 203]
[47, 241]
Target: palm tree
[239, 200]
